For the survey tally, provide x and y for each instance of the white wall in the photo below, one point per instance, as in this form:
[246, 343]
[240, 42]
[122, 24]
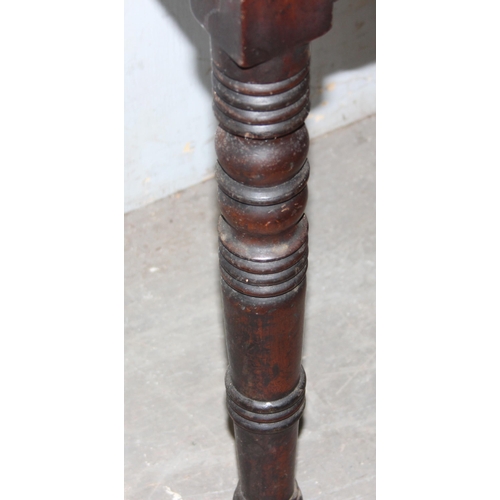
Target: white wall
[169, 126]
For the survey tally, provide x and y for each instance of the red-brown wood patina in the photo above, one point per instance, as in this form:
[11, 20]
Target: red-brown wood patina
[260, 55]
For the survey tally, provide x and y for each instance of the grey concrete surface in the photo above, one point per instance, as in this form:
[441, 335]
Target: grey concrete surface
[178, 441]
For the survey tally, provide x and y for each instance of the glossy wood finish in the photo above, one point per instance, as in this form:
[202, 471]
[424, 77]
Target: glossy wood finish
[260, 57]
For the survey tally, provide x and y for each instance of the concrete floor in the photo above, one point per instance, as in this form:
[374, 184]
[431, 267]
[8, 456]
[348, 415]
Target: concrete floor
[178, 442]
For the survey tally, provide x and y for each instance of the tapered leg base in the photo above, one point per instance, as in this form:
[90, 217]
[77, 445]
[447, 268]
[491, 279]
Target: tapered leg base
[297, 494]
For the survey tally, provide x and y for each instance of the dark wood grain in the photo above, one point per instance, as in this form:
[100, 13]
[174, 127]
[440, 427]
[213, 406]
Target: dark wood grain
[260, 56]
[254, 31]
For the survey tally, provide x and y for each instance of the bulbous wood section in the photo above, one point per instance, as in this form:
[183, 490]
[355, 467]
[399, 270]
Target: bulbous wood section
[262, 163]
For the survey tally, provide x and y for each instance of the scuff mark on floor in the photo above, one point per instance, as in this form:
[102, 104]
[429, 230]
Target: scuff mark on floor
[175, 496]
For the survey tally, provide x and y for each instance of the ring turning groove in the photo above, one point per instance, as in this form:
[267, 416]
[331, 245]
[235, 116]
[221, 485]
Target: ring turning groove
[261, 111]
[260, 89]
[266, 416]
[263, 249]
[258, 284]
[263, 268]
[273, 195]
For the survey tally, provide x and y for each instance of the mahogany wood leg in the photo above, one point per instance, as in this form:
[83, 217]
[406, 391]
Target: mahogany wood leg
[261, 99]
[262, 175]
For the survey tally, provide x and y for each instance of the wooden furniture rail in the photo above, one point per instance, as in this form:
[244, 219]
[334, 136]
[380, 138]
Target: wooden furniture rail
[260, 56]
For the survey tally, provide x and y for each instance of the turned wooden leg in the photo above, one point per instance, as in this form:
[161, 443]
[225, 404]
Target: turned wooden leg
[262, 175]
[261, 99]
